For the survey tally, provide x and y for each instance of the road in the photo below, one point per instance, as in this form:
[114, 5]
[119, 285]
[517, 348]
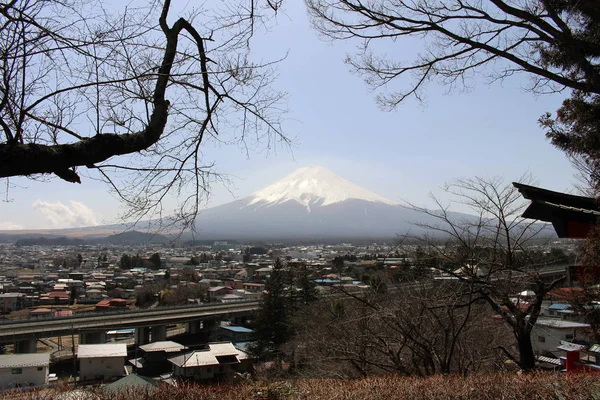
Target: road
[11, 331]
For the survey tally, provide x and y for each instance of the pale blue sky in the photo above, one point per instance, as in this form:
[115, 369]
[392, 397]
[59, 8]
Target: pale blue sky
[405, 154]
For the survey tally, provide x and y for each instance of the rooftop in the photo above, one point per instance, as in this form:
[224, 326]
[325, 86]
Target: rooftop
[131, 381]
[102, 350]
[195, 359]
[226, 352]
[223, 349]
[24, 360]
[560, 324]
[167, 346]
[237, 329]
[559, 306]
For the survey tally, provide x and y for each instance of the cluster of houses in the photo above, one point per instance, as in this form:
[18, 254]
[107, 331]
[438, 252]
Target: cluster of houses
[112, 288]
[153, 364]
[562, 339]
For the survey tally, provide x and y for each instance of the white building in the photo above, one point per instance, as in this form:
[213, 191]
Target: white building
[548, 334]
[23, 370]
[101, 361]
[93, 295]
[220, 362]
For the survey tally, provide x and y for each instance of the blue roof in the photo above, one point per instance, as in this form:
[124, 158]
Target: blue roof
[238, 329]
[558, 306]
[327, 280]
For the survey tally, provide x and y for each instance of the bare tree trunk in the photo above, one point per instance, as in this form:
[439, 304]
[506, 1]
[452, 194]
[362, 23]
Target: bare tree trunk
[526, 355]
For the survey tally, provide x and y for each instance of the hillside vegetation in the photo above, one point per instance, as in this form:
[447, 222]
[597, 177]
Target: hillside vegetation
[476, 387]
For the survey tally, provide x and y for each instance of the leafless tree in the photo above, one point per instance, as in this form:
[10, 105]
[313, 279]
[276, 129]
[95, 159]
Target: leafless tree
[462, 38]
[586, 176]
[555, 43]
[492, 251]
[422, 328]
[131, 96]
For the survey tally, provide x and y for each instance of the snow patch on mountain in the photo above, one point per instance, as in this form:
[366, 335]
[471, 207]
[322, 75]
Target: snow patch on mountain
[314, 186]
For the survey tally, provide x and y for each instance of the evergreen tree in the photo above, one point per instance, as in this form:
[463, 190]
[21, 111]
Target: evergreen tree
[193, 261]
[204, 258]
[73, 295]
[155, 261]
[338, 265]
[246, 258]
[307, 292]
[125, 261]
[272, 326]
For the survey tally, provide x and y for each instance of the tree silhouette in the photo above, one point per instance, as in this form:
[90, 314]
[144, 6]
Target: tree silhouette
[155, 261]
[130, 97]
[272, 327]
[556, 43]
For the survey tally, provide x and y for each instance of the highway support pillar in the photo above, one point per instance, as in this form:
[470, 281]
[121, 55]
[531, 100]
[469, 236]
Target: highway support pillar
[25, 346]
[142, 336]
[192, 327]
[92, 337]
[209, 328]
[240, 321]
[159, 333]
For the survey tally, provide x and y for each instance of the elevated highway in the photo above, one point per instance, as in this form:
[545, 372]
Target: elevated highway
[14, 331]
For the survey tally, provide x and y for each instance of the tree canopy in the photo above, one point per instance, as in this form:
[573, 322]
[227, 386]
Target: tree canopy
[555, 42]
[130, 97]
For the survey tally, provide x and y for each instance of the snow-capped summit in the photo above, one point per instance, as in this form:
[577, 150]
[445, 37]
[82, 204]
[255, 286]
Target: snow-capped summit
[314, 186]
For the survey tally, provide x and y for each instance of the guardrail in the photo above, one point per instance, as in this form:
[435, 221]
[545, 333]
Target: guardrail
[148, 317]
[121, 312]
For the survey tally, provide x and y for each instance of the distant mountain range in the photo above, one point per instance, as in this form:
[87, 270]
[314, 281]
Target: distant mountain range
[135, 238]
[310, 204]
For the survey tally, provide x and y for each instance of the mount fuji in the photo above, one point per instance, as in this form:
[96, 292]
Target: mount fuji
[310, 203]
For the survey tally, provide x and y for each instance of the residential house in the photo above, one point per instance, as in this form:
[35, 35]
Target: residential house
[10, 302]
[262, 273]
[111, 305]
[219, 362]
[235, 334]
[560, 310]
[92, 296]
[232, 297]
[63, 313]
[24, 370]
[241, 274]
[548, 334]
[55, 297]
[41, 313]
[155, 357]
[101, 361]
[254, 287]
[233, 283]
[217, 292]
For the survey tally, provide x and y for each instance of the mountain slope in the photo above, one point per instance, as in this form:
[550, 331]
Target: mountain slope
[314, 203]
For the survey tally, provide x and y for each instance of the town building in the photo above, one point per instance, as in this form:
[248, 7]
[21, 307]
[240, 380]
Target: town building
[235, 334]
[219, 363]
[548, 334]
[24, 370]
[155, 356]
[101, 361]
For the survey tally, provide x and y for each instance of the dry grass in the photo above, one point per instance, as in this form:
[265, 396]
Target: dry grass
[537, 386]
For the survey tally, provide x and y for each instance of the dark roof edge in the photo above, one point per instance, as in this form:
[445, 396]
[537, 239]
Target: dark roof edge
[535, 193]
